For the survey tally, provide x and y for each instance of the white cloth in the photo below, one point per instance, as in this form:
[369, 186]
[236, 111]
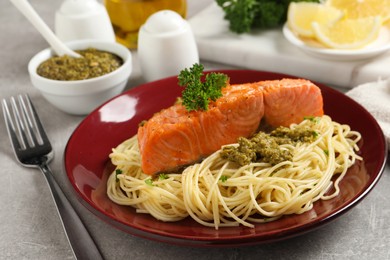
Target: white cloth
[375, 97]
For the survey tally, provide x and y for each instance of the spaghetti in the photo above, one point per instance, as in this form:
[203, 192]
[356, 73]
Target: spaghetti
[218, 193]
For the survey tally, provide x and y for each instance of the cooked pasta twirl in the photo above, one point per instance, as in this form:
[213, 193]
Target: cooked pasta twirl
[217, 192]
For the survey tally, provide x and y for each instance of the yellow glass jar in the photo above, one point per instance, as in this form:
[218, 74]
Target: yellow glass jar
[127, 16]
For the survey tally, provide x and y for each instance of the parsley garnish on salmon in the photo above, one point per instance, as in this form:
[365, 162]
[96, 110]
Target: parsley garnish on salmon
[197, 94]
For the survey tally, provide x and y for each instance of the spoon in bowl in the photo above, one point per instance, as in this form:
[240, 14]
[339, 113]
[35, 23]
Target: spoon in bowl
[58, 46]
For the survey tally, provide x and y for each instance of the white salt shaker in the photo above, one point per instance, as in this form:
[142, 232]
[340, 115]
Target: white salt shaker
[83, 19]
[166, 45]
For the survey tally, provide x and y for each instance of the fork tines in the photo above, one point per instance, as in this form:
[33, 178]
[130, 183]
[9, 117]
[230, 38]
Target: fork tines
[23, 124]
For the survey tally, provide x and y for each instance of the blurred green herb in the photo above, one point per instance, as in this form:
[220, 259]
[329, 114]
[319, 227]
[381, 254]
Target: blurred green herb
[313, 119]
[223, 178]
[117, 171]
[149, 182]
[163, 176]
[245, 15]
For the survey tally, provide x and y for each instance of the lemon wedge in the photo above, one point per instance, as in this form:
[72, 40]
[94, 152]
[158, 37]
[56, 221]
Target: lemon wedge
[362, 8]
[301, 15]
[348, 33]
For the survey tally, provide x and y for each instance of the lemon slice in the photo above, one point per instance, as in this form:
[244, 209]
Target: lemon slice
[348, 33]
[301, 15]
[362, 8]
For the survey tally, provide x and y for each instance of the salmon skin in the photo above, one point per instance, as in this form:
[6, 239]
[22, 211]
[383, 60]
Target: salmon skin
[175, 137]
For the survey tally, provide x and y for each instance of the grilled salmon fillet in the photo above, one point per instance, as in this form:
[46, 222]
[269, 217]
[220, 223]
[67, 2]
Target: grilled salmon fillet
[175, 137]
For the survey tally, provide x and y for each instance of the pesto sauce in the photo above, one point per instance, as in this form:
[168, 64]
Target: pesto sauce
[265, 147]
[94, 63]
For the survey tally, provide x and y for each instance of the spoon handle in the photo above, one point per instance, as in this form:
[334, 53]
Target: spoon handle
[27, 10]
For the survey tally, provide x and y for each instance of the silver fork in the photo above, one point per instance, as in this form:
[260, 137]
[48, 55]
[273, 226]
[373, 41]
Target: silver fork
[32, 148]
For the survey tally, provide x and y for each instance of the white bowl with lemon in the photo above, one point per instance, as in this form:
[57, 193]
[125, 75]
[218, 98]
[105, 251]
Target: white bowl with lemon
[331, 30]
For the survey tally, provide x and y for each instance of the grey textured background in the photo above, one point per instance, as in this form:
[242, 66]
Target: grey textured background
[30, 228]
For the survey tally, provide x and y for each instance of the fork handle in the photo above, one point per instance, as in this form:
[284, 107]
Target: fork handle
[80, 240]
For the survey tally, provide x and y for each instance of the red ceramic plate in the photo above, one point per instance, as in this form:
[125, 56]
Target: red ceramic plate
[87, 166]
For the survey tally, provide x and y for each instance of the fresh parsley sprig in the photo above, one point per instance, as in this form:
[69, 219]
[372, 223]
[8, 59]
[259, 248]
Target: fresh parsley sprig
[197, 94]
[245, 15]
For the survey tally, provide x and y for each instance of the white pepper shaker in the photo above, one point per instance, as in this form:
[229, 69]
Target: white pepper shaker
[166, 45]
[83, 19]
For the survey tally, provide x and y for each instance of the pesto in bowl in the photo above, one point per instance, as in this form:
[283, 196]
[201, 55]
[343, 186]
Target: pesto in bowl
[93, 63]
[80, 97]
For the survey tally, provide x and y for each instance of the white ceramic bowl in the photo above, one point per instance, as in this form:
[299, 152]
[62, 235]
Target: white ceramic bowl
[80, 97]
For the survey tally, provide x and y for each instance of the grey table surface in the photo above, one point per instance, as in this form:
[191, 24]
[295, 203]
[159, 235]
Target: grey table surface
[31, 229]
